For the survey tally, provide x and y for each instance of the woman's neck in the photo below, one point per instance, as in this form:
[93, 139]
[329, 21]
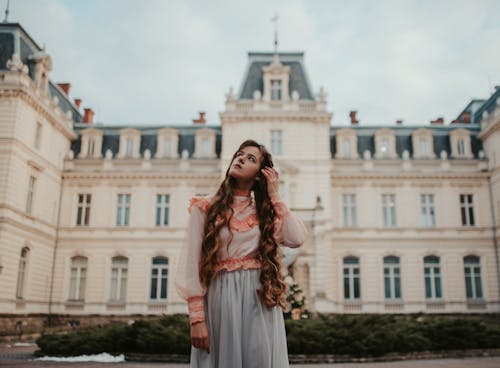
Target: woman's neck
[241, 192]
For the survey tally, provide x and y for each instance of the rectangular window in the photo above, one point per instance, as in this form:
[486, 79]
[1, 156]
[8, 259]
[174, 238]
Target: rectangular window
[461, 147]
[276, 142]
[123, 210]
[467, 209]
[389, 210]
[162, 209]
[349, 210]
[38, 135]
[424, 147]
[83, 212]
[91, 147]
[167, 147]
[276, 90]
[78, 279]
[129, 151]
[346, 147]
[21, 273]
[385, 147]
[159, 279]
[473, 282]
[432, 274]
[205, 147]
[428, 210]
[31, 194]
[352, 290]
[119, 270]
[392, 279]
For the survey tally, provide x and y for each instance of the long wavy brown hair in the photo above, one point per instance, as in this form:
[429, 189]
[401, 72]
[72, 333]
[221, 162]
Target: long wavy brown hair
[219, 214]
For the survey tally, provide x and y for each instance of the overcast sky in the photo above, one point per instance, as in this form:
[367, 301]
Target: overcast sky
[159, 62]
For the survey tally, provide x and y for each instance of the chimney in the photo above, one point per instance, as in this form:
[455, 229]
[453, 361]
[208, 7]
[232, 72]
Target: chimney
[438, 121]
[65, 87]
[352, 115]
[88, 116]
[399, 122]
[201, 119]
[78, 103]
[465, 117]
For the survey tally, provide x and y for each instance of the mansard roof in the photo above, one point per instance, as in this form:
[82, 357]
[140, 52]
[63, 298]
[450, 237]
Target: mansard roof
[440, 136]
[149, 137]
[253, 79]
[14, 39]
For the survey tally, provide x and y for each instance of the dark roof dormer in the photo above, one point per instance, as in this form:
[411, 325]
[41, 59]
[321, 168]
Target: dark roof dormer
[266, 67]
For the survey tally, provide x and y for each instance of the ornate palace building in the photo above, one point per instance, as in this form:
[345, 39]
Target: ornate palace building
[403, 219]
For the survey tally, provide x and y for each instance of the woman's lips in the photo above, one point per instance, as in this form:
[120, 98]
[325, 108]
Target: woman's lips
[237, 165]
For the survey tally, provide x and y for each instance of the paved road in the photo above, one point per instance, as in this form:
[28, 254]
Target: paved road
[20, 357]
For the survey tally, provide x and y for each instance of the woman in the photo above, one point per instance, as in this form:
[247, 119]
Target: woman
[230, 268]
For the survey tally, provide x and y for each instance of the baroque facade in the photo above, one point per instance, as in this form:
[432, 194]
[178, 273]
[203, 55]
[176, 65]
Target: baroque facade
[402, 219]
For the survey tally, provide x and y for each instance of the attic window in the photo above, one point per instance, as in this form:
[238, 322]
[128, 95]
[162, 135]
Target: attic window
[129, 150]
[424, 147]
[275, 90]
[461, 147]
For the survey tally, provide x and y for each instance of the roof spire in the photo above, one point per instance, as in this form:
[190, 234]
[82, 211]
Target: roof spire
[7, 12]
[275, 20]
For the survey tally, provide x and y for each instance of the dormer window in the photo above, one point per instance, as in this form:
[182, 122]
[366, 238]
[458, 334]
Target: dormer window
[424, 146]
[460, 143]
[346, 147]
[91, 143]
[130, 142]
[346, 143]
[168, 139]
[275, 90]
[385, 143]
[461, 147]
[422, 143]
[204, 146]
[130, 147]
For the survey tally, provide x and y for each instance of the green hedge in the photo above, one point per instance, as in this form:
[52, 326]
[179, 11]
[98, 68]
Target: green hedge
[354, 335]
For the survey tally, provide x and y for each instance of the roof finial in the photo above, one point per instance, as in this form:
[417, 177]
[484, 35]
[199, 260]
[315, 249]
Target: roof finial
[275, 20]
[7, 12]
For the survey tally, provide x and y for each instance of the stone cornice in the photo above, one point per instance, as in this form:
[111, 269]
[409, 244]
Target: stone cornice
[274, 116]
[409, 176]
[140, 175]
[49, 113]
[28, 218]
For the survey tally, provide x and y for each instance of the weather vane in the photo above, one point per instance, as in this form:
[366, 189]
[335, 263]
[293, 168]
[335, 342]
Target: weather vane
[275, 20]
[7, 12]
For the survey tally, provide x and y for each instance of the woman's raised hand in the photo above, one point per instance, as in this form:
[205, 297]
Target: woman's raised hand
[199, 336]
[273, 181]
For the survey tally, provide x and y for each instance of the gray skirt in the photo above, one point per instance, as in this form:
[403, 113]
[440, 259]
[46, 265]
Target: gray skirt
[243, 332]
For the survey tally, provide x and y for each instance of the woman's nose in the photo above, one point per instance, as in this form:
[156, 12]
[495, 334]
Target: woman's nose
[240, 159]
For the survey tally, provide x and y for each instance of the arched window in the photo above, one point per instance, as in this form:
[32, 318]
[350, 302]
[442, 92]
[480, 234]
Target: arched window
[159, 279]
[392, 278]
[352, 290]
[473, 281]
[432, 275]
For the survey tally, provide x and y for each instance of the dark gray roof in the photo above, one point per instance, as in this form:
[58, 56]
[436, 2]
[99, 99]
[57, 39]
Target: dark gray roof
[488, 105]
[111, 137]
[253, 77]
[440, 134]
[14, 39]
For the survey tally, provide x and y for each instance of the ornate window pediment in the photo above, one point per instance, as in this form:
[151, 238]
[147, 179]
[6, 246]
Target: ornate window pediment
[167, 144]
[130, 142]
[385, 143]
[346, 143]
[91, 143]
[276, 78]
[423, 144]
[204, 143]
[460, 143]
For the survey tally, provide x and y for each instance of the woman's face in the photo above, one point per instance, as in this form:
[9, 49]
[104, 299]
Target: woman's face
[246, 164]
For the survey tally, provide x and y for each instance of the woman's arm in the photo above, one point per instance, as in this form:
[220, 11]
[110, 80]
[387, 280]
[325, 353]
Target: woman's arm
[289, 230]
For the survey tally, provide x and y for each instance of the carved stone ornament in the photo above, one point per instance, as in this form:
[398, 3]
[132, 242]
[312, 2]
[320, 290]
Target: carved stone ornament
[367, 155]
[185, 154]
[295, 95]
[322, 94]
[147, 154]
[443, 155]
[230, 94]
[109, 154]
[257, 95]
[16, 65]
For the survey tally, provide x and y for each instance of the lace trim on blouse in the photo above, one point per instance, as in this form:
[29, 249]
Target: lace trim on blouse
[233, 264]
